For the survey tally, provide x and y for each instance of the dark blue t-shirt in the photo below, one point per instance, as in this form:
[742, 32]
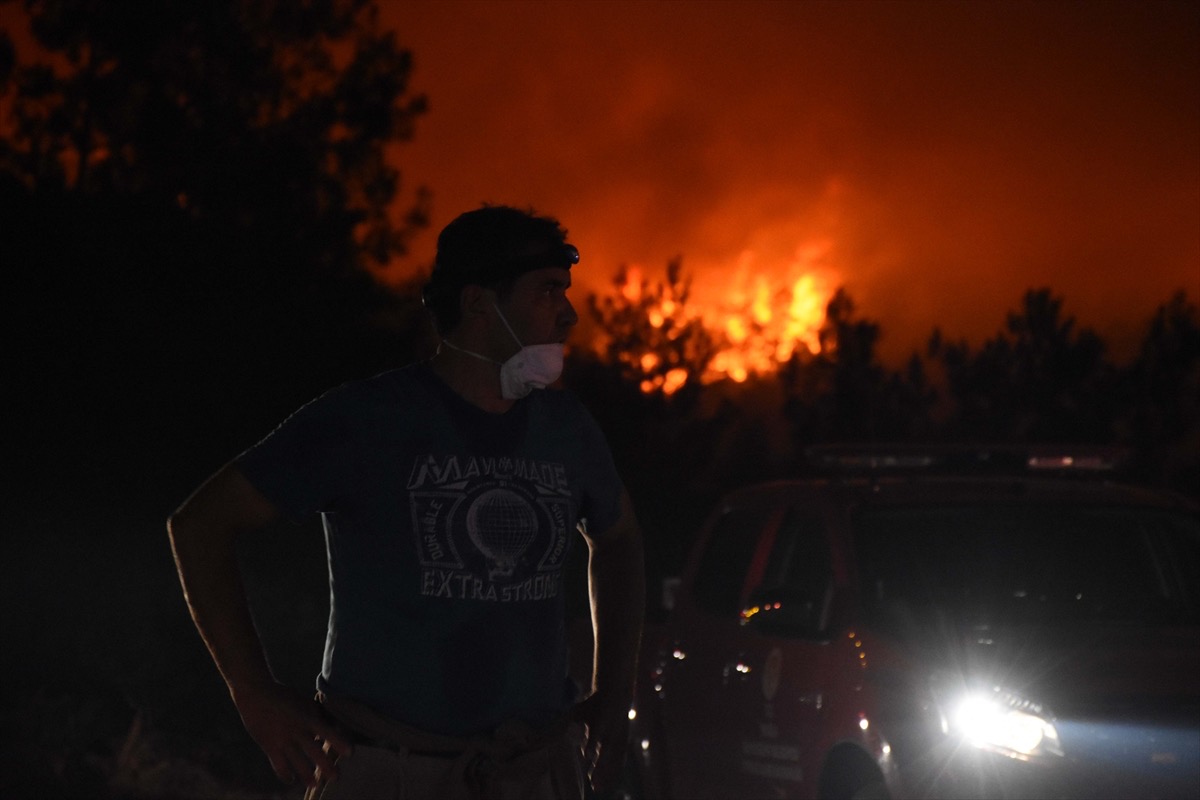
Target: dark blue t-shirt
[447, 529]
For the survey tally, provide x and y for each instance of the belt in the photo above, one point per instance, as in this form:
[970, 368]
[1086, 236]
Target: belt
[514, 751]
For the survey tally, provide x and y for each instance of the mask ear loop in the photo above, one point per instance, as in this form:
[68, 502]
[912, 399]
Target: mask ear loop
[503, 319]
[508, 327]
[453, 346]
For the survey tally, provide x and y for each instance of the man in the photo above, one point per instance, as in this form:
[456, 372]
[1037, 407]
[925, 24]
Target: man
[447, 490]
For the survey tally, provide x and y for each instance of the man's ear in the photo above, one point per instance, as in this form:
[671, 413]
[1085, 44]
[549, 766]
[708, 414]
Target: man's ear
[475, 301]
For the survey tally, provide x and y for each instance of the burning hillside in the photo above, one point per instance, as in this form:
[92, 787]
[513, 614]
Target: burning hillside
[665, 336]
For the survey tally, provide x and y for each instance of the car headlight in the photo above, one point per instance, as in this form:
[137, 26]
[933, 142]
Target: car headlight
[1001, 722]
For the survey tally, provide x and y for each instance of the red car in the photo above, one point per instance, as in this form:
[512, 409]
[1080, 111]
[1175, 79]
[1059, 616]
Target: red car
[932, 623]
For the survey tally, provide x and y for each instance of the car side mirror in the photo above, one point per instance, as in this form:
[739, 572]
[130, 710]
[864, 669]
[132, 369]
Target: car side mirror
[670, 590]
[787, 611]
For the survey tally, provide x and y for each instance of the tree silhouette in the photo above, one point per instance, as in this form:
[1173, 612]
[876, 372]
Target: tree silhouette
[1039, 379]
[271, 118]
[651, 333]
[843, 393]
[198, 193]
[1160, 397]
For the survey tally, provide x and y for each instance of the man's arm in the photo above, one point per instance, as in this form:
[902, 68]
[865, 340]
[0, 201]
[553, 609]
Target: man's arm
[617, 584]
[289, 728]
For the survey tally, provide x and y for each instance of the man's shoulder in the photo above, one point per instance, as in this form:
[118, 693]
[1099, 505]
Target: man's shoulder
[360, 400]
[389, 386]
[559, 399]
[563, 407]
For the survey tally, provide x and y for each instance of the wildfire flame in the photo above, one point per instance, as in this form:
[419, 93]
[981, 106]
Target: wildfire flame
[755, 323]
[766, 325]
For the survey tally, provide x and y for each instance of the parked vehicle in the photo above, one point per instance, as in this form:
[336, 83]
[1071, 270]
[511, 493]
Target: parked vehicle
[916, 623]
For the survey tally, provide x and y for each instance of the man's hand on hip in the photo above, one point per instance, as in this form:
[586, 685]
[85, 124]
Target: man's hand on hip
[607, 723]
[294, 732]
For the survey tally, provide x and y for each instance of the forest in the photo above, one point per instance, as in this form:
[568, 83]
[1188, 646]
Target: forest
[197, 204]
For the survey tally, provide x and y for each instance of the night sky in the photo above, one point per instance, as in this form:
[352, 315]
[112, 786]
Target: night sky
[937, 159]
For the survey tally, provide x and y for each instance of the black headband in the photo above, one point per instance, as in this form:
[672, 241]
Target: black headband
[556, 255]
[448, 277]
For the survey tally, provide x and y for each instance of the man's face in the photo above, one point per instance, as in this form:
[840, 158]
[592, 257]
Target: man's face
[537, 307]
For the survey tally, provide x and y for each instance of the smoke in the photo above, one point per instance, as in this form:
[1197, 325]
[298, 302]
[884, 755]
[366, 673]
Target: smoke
[948, 155]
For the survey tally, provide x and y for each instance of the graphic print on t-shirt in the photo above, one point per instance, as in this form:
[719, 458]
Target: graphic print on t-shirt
[489, 529]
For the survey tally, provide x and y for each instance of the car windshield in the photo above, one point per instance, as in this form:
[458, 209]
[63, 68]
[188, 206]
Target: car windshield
[1032, 563]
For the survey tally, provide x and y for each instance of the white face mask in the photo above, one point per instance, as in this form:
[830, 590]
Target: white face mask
[534, 366]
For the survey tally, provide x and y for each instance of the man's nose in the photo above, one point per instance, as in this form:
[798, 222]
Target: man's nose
[567, 317]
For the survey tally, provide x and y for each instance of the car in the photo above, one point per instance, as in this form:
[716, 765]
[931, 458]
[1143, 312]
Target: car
[931, 622]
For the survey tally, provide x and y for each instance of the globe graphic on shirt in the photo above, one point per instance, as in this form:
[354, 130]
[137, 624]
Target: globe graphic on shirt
[502, 525]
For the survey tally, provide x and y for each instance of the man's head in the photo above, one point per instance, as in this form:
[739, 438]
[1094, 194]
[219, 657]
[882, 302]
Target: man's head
[491, 247]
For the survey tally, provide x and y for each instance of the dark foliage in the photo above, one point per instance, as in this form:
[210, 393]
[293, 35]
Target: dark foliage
[843, 393]
[677, 343]
[1038, 380]
[194, 197]
[1159, 398]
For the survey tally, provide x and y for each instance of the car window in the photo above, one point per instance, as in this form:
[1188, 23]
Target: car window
[800, 560]
[1021, 562]
[721, 574]
[1178, 540]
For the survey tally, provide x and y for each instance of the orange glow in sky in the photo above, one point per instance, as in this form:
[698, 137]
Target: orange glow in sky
[942, 157]
[936, 158]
